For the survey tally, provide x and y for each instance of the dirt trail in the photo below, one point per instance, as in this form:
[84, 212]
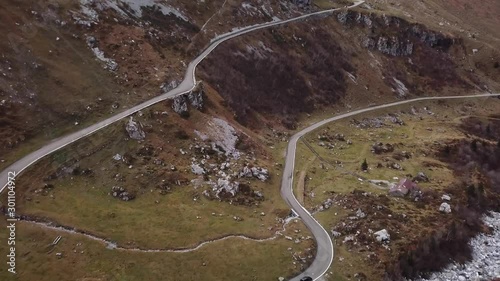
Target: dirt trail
[112, 245]
[302, 180]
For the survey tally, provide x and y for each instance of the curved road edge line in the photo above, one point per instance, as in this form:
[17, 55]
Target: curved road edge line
[287, 178]
[183, 88]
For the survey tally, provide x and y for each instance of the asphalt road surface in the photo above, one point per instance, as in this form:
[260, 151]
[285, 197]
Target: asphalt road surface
[187, 85]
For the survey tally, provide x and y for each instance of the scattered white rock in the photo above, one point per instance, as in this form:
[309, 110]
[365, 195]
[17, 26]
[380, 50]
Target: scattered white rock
[360, 214]
[180, 105]
[336, 234]
[485, 256]
[109, 63]
[382, 236]
[445, 208]
[446, 197]
[327, 204]
[348, 238]
[224, 136]
[257, 172]
[197, 169]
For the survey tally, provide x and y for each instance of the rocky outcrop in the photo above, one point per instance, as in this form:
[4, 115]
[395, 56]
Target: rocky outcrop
[347, 16]
[225, 186]
[180, 105]
[393, 46]
[134, 130]
[393, 36]
[121, 193]
[257, 172]
[196, 97]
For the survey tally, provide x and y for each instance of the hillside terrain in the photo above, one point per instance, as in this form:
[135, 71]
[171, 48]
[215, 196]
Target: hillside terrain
[196, 179]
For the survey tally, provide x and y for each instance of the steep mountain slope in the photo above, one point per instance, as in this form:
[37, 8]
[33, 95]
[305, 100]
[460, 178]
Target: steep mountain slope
[66, 64]
[299, 67]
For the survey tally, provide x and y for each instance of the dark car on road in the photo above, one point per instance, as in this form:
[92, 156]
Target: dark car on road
[306, 278]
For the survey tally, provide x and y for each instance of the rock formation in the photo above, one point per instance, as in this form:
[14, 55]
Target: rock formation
[134, 130]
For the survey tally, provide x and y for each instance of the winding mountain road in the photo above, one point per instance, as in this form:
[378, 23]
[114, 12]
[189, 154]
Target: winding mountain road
[324, 255]
[186, 86]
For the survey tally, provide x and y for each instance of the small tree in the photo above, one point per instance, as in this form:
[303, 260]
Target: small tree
[488, 130]
[364, 166]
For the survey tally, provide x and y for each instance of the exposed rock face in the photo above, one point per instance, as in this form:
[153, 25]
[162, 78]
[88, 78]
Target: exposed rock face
[225, 185]
[196, 99]
[197, 169]
[400, 43]
[180, 105]
[134, 130]
[170, 86]
[346, 17]
[224, 136]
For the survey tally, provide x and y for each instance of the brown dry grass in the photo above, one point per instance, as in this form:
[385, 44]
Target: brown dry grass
[414, 137]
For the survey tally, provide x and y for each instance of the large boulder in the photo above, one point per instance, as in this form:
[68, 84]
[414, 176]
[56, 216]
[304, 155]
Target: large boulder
[196, 97]
[225, 186]
[180, 106]
[134, 130]
[421, 177]
[445, 208]
[382, 236]
[197, 169]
